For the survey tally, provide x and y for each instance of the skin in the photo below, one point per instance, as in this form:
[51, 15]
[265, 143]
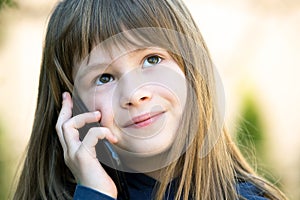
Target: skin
[80, 156]
[136, 103]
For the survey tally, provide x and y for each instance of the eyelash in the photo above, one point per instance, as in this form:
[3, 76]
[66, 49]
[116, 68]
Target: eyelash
[160, 59]
[111, 78]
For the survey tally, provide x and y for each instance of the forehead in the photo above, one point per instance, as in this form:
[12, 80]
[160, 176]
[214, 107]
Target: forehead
[108, 53]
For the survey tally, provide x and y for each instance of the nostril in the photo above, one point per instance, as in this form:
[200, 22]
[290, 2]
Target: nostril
[132, 102]
[135, 99]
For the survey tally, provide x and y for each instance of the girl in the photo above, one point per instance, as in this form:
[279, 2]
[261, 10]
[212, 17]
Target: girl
[138, 68]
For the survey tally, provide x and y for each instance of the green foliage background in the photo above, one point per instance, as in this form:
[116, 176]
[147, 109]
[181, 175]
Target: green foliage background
[3, 165]
[5, 171]
[252, 138]
[6, 3]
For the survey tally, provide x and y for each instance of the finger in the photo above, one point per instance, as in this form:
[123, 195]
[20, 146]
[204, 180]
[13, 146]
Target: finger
[70, 132]
[98, 133]
[94, 135]
[64, 115]
[80, 120]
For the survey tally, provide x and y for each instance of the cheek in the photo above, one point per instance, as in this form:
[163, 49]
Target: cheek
[83, 101]
[170, 83]
[173, 98]
[103, 103]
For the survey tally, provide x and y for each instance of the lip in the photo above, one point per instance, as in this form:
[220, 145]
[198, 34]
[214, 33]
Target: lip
[143, 120]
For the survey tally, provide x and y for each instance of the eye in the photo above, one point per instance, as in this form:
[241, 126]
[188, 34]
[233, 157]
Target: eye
[152, 60]
[104, 78]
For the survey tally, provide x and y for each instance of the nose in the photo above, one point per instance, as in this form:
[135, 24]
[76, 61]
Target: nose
[136, 98]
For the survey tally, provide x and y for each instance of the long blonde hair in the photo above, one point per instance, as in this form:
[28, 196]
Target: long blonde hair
[74, 28]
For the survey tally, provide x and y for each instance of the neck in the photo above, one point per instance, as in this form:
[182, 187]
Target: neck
[155, 166]
[157, 175]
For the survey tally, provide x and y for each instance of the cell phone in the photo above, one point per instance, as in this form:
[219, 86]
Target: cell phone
[106, 153]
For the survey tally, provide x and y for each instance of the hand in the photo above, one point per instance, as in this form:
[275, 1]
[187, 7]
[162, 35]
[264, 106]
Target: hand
[80, 156]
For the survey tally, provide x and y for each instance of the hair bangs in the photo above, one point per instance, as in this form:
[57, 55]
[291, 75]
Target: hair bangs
[101, 20]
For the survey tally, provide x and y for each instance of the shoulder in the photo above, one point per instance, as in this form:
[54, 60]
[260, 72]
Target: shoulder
[85, 193]
[249, 191]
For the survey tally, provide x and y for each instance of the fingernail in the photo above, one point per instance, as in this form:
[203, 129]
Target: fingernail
[97, 113]
[115, 138]
[64, 95]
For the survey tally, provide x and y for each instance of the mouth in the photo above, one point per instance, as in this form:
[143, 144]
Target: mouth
[144, 120]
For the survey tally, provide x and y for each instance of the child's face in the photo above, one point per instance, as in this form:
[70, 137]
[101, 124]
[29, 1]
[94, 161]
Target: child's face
[140, 93]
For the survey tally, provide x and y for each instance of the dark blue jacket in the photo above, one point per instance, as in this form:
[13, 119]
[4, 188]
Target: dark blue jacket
[141, 187]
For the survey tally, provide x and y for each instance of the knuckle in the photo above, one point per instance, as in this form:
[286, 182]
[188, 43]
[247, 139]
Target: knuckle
[57, 127]
[105, 132]
[95, 134]
[65, 125]
[77, 122]
[79, 157]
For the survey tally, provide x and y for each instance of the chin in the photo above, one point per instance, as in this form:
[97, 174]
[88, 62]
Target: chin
[145, 150]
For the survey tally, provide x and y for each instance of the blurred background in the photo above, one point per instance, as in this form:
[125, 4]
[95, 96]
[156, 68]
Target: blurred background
[254, 44]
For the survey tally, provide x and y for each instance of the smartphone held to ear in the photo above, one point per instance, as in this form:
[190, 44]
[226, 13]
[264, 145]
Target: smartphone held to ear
[106, 153]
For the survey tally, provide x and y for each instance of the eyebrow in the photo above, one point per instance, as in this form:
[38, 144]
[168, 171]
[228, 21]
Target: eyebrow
[87, 69]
